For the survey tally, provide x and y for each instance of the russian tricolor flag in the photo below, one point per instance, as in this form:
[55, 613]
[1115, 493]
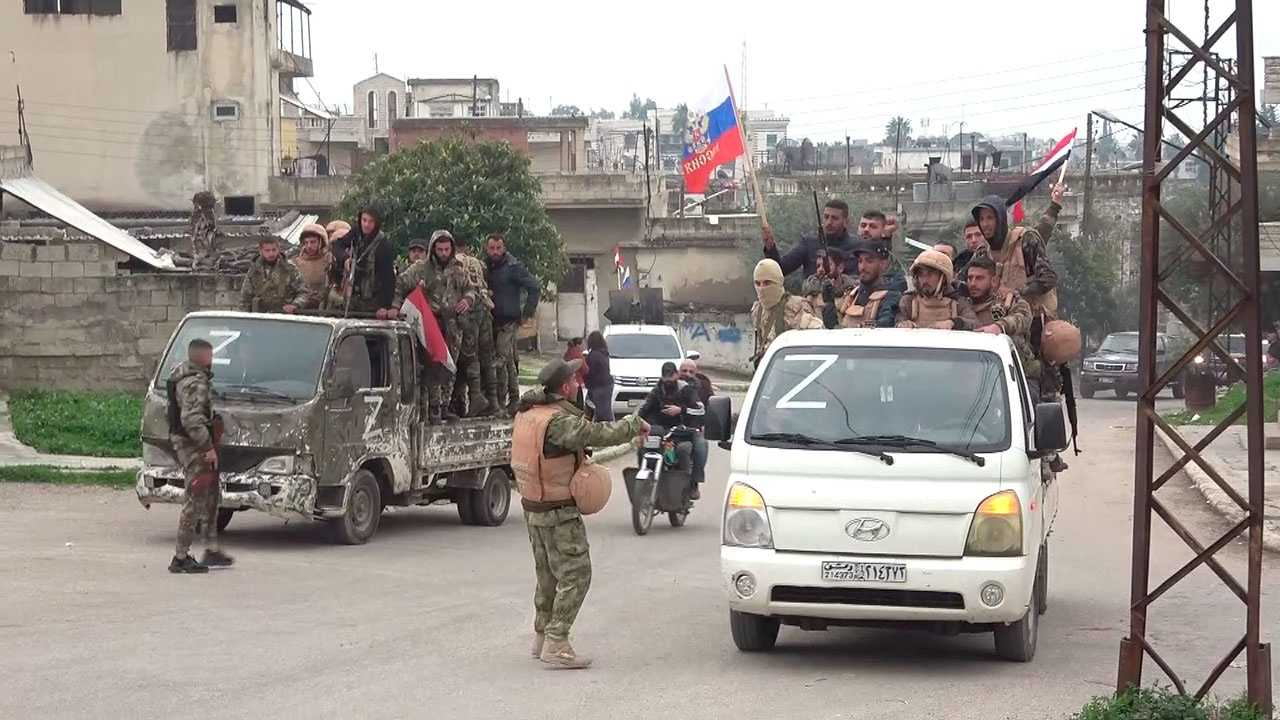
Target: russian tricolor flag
[715, 139]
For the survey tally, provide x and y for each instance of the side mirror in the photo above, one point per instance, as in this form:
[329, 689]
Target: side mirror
[1051, 430]
[693, 355]
[719, 418]
[341, 386]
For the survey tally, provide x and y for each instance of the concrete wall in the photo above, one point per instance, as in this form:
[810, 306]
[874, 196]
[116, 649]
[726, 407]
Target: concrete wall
[725, 339]
[71, 319]
[312, 192]
[119, 122]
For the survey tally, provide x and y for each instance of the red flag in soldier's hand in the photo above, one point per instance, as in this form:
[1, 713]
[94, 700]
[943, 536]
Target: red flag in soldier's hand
[417, 312]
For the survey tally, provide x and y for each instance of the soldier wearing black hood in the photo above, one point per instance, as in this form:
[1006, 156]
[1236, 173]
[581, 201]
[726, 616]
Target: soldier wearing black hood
[1021, 259]
[372, 281]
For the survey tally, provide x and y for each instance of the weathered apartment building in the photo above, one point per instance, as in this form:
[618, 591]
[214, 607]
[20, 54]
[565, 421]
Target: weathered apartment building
[138, 104]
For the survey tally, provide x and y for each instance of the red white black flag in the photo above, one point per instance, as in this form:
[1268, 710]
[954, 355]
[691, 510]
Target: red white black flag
[1048, 166]
[417, 312]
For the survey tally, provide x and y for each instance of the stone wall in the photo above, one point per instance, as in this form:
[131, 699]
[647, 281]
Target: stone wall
[72, 318]
[725, 339]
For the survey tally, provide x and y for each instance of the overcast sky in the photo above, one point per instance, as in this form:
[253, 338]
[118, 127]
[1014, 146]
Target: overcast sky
[1001, 66]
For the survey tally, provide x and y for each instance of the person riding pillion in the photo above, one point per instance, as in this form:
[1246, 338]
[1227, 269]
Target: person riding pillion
[675, 402]
[774, 311]
[934, 303]
[549, 437]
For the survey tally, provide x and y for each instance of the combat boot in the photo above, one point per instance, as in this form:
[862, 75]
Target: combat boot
[538, 640]
[492, 404]
[478, 406]
[216, 558]
[433, 415]
[512, 407]
[186, 565]
[448, 416]
[1057, 464]
[559, 655]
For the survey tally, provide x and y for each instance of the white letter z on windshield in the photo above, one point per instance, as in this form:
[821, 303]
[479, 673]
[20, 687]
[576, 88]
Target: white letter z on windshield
[786, 403]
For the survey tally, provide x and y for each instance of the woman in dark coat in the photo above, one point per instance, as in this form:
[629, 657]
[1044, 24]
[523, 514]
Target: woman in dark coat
[599, 378]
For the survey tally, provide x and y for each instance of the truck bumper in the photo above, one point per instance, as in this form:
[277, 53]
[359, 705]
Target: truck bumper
[289, 497]
[1129, 382]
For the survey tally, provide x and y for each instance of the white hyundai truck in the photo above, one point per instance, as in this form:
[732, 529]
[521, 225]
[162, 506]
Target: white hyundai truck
[888, 477]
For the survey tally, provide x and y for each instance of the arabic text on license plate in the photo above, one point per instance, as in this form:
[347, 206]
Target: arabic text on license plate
[864, 572]
[634, 403]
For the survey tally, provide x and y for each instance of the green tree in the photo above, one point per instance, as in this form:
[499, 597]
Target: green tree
[1090, 291]
[469, 188]
[680, 123]
[566, 111]
[602, 114]
[638, 108]
[892, 127]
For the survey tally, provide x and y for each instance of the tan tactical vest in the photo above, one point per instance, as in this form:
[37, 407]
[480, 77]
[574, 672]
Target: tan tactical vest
[859, 316]
[538, 477]
[991, 310]
[314, 272]
[1011, 269]
[929, 311]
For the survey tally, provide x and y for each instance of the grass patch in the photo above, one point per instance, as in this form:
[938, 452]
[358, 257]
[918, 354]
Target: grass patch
[1163, 704]
[1233, 398]
[101, 424]
[67, 476]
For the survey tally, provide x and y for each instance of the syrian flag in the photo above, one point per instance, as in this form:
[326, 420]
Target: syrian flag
[1056, 158]
[417, 312]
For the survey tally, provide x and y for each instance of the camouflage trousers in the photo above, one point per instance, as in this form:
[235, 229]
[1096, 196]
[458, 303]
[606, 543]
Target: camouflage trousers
[439, 379]
[199, 514]
[475, 367]
[506, 371]
[562, 565]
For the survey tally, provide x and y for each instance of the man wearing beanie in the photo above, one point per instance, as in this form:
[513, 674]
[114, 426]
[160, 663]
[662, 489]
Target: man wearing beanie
[774, 311]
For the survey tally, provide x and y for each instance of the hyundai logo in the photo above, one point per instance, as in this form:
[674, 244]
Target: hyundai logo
[867, 529]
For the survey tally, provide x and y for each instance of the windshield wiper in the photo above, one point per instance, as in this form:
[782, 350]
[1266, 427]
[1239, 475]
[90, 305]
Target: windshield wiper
[260, 391]
[802, 439]
[907, 441]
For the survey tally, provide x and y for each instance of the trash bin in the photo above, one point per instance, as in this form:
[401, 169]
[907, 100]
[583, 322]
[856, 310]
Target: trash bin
[1200, 386]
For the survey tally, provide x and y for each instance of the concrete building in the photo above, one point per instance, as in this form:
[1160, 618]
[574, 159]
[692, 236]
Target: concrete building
[555, 144]
[766, 129]
[378, 102]
[134, 105]
[454, 97]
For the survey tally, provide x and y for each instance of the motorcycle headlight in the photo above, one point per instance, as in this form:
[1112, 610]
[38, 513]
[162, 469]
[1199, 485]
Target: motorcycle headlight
[286, 465]
[652, 442]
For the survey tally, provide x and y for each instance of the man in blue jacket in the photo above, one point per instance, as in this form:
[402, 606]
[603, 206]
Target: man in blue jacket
[508, 280]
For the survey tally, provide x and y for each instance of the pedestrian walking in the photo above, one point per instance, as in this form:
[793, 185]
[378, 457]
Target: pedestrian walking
[599, 376]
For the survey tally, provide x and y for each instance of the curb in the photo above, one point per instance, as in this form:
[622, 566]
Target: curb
[1218, 500]
[610, 454]
[731, 386]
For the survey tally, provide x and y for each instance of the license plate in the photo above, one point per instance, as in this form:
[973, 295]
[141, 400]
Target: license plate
[1105, 380]
[634, 403]
[864, 572]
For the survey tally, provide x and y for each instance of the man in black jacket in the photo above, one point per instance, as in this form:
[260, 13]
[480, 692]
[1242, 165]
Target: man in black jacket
[804, 256]
[674, 402]
[364, 267]
[508, 279]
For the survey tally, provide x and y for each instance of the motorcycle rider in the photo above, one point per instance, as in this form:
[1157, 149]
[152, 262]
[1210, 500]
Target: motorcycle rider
[674, 402]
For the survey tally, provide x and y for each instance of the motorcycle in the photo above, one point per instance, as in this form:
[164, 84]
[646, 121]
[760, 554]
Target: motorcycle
[658, 485]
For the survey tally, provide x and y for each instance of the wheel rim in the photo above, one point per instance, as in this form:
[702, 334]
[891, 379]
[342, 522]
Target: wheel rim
[361, 508]
[498, 501]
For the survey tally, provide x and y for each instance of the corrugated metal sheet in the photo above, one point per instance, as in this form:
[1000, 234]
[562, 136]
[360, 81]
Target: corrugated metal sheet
[292, 232]
[38, 193]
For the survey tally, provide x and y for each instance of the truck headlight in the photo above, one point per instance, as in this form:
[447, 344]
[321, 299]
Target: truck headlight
[746, 522]
[286, 465]
[1131, 367]
[997, 527]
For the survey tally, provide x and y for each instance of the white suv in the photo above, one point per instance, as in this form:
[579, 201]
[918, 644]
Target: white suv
[636, 355]
[884, 477]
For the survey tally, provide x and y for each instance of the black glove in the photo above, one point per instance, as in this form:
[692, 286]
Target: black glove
[828, 292]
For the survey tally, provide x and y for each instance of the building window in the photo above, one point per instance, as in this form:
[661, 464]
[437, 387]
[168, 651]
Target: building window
[238, 205]
[181, 16]
[225, 111]
[224, 13]
[391, 107]
[771, 140]
[372, 110]
[71, 7]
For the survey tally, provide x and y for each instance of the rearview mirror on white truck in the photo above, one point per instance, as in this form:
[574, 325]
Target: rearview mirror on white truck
[1050, 430]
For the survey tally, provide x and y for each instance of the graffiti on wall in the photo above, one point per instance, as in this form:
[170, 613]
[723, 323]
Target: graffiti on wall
[698, 330]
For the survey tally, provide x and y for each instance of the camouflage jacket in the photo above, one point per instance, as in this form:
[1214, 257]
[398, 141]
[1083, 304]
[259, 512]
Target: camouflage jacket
[475, 273]
[1013, 315]
[195, 405]
[791, 313]
[268, 288]
[204, 233]
[571, 431]
[443, 286]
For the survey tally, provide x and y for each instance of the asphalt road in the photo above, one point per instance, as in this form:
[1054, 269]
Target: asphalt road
[433, 618]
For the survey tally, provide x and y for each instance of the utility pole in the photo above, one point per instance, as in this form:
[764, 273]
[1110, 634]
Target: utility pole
[475, 92]
[1088, 176]
[973, 159]
[1025, 164]
[960, 142]
[848, 161]
[657, 141]
[897, 147]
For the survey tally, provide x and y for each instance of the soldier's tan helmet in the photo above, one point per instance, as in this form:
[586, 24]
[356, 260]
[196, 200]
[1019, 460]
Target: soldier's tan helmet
[318, 230]
[1060, 342]
[935, 261]
[338, 229]
[591, 488]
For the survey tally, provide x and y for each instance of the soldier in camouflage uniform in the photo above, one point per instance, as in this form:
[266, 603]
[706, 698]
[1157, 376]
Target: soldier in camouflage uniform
[272, 284]
[1002, 311]
[451, 296]
[549, 437]
[191, 432]
[477, 345]
[204, 229]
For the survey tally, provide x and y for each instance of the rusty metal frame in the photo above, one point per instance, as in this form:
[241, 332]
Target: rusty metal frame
[1229, 246]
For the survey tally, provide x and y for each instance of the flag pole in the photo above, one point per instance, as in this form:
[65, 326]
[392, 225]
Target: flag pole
[741, 120]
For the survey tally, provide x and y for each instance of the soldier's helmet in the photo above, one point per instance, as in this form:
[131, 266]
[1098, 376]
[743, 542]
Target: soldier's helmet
[1060, 342]
[203, 199]
[935, 260]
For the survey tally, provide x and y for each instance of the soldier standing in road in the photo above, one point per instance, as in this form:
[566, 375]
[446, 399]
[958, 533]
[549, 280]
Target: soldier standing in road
[451, 296]
[272, 284]
[548, 440]
[508, 280]
[477, 338]
[191, 432]
[313, 263]
[774, 311]
[204, 229]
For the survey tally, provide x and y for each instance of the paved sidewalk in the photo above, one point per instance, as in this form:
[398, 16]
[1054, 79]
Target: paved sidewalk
[13, 452]
[1227, 455]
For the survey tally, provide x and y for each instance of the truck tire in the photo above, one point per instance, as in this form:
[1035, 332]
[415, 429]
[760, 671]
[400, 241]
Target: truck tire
[490, 505]
[753, 633]
[364, 511]
[1178, 391]
[224, 518]
[1016, 642]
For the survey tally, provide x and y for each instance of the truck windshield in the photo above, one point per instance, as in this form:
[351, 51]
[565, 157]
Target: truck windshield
[1127, 343]
[859, 397]
[643, 346]
[256, 359]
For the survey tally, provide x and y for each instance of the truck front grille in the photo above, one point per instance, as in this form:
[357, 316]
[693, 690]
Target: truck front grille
[868, 596]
